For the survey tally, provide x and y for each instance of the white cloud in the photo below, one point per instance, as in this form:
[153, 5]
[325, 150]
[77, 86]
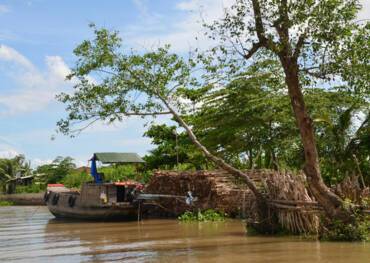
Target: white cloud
[364, 14]
[181, 33]
[7, 154]
[33, 89]
[9, 54]
[37, 162]
[4, 9]
[7, 148]
[141, 6]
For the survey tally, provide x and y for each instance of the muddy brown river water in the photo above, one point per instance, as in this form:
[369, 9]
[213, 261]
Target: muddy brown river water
[30, 234]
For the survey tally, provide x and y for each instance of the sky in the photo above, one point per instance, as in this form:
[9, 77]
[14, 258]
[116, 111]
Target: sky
[37, 38]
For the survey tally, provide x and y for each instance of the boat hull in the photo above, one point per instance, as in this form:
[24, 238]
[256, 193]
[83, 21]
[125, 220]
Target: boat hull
[60, 205]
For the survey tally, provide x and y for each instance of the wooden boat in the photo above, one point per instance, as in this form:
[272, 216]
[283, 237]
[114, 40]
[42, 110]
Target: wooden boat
[103, 201]
[100, 200]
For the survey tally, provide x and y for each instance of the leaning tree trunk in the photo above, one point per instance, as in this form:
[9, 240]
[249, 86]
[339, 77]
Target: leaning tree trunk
[266, 222]
[331, 203]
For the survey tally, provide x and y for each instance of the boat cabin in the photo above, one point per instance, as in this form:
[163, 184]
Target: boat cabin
[93, 194]
[110, 192]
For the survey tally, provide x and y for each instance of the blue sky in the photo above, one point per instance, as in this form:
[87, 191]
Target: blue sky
[36, 42]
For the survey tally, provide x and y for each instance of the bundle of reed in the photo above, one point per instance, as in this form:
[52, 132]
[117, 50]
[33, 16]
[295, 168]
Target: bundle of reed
[350, 188]
[215, 190]
[296, 210]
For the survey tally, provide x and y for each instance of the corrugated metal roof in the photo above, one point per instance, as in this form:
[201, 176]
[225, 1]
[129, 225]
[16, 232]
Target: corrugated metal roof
[114, 157]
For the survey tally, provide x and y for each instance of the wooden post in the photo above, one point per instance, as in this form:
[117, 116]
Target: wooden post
[243, 206]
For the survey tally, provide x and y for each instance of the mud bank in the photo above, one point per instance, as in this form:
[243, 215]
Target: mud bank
[24, 199]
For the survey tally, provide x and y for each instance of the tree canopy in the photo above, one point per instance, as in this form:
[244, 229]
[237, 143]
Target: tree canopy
[272, 60]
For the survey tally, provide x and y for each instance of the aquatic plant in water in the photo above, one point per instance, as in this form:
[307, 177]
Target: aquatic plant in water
[207, 215]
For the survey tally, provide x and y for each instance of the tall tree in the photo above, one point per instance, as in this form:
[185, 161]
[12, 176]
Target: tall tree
[134, 84]
[12, 168]
[57, 170]
[308, 38]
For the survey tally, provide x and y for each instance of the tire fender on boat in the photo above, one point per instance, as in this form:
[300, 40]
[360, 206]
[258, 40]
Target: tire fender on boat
[46, 196]
[55, 199]
[71, 201]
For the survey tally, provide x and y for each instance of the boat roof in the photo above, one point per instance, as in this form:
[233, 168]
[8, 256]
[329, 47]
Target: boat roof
[116, 157]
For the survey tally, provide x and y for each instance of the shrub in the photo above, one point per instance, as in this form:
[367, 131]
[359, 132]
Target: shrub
[33, 188]
[76, 179]
[207, 215]
[124, 172]
[359, 230]
[339, 231]
[6, 203]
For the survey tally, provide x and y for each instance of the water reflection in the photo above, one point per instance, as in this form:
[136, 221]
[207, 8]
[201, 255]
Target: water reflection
[29, 235]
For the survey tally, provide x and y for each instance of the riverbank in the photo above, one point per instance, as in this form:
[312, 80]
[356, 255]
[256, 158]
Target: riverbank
[24, 199]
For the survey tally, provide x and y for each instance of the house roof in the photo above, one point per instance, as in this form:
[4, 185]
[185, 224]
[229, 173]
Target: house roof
[114, 157]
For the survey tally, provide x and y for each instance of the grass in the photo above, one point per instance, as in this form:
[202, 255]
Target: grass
[33, 188]
[6, 203]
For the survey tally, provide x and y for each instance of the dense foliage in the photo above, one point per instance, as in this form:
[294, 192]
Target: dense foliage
[56, 171]
[250, 124]
[11, 169]
[75, 179]
[5, 203]
[125, 172]
[173, 149]
[202, 216]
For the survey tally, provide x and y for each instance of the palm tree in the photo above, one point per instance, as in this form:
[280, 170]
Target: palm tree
[11, 169]
[345, 147]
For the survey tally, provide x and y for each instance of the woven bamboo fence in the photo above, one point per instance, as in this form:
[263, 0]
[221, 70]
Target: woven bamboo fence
[296, 210]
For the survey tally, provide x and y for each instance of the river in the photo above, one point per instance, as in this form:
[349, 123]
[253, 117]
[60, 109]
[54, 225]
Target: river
[30, 234]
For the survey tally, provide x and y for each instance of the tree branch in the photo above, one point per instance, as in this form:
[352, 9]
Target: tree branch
[218, 161]
[96, 117]
[255, 47]
[146, 113]
[260, 29]
[299, 45]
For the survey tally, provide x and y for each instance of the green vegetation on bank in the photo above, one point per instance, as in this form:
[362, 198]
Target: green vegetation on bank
[6, 203]
[202, 216]
[339, 231]
[32, 188]
[74, 179]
